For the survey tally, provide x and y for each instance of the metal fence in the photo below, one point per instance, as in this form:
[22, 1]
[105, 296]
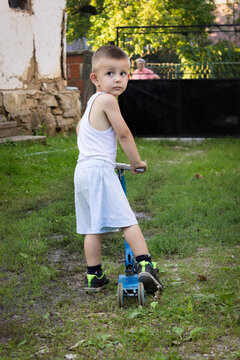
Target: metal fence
[215, 70]
[127, 36]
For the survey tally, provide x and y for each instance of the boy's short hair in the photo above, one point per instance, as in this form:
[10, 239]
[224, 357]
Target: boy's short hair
[108, 51]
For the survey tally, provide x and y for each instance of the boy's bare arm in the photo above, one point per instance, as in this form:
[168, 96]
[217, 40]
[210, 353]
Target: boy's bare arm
[124, 135]
[77, 128]
[128, 144]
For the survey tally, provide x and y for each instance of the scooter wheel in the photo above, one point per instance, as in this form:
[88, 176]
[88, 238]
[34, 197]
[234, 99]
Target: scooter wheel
[141, 296]
[120, 297]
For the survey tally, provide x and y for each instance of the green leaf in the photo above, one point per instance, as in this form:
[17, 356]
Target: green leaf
[46, 316]
[22, 343]
[178, 331]
[190, 307]
[134, 314]
[154, 304]
[104, 337]
[176, 283]
[225, 269]
[25, 256]
[194, 332]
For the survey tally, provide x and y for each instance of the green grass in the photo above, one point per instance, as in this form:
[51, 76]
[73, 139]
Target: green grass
[191, 197]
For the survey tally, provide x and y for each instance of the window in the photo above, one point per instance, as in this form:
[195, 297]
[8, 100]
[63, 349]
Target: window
[19, 4]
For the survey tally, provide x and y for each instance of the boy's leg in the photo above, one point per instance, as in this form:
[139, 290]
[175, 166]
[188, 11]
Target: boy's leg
[95, 279]
[147, 272]
[134, 237]
[92, 249]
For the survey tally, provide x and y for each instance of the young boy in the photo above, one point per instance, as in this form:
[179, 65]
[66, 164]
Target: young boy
[101, 205]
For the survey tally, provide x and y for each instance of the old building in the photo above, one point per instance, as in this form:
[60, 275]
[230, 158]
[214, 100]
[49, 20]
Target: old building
[227, 12]
[33, 86]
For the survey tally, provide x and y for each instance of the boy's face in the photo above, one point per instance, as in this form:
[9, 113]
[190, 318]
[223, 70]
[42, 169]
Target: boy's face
[111, 76]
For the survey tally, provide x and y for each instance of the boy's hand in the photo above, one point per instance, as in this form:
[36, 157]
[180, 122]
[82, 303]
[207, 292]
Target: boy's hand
[138, 168]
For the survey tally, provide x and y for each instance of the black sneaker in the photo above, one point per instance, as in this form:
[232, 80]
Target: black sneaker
[94, 283]
[147, 274]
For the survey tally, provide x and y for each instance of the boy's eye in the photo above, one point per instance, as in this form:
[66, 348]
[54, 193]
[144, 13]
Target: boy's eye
[123, 73]
[110, 73]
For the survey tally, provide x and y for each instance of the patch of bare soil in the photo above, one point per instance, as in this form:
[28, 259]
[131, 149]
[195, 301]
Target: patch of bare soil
[222, 349]
[198, 152]
[65, 286]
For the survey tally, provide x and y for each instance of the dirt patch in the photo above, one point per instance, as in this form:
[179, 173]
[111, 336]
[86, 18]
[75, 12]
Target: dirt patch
[179, 147]
[66, 285]
[223, 348]
[195, 153]
[33, 207]
[143, 216]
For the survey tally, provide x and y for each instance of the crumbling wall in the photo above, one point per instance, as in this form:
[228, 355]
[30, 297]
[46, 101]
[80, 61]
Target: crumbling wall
[31, 44]
[33, 67]
[38, 111]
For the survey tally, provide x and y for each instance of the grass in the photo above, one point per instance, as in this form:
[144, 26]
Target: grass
[190, 200]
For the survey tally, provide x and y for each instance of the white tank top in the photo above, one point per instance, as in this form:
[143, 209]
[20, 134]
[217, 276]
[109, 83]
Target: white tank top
[96, 144]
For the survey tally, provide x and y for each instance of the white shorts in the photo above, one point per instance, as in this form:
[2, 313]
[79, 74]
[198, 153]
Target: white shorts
[100, 202]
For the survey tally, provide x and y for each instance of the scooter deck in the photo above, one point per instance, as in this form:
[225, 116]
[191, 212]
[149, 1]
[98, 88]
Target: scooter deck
[130, 284]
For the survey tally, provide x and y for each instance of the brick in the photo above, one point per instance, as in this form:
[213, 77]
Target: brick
[73, 71]
[74, 59]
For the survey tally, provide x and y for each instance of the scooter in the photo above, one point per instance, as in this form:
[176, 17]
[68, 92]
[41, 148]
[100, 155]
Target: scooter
[128, 284]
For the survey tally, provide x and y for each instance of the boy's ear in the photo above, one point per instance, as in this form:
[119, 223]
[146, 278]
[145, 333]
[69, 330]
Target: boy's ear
[93, 78]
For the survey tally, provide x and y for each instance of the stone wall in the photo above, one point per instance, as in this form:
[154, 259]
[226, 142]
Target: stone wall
[41, 111]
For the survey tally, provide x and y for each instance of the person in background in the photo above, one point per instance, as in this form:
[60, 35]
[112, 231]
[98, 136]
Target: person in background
[142, 73]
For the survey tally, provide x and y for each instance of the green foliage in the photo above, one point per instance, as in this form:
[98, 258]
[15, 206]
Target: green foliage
[153, 12]
[97, 20]
[207, 52]
[79, 13]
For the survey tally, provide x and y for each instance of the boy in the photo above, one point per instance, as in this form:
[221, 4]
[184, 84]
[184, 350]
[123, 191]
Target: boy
[101, 205]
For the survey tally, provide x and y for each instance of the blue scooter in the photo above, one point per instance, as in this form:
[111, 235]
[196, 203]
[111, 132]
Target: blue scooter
[128, 284]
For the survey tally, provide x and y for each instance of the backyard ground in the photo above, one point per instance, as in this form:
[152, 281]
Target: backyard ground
[188, 208]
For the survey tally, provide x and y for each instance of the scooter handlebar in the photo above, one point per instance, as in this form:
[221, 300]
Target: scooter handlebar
[121, 166]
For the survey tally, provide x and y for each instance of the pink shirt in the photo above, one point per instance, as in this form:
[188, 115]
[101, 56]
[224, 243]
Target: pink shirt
[145, 74]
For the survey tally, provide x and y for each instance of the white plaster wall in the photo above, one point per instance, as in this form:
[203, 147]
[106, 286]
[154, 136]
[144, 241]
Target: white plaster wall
[16, 45]
[47, 20]
[21, 32]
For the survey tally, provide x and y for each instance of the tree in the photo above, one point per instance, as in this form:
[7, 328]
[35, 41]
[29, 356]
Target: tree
[79, 13]
[97, 19]
[148, 12]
